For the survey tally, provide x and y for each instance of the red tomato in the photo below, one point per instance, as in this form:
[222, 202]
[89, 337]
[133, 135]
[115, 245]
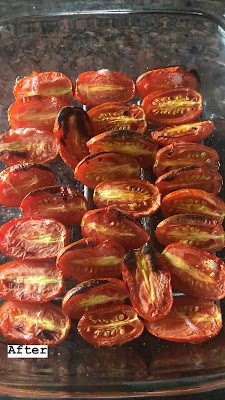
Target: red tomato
[194, 132]
[172, 107]
[30, 281]
[98, 87]
[59, 202]
[93, 294]
[190, 320]
[108, 326]
[134, 197]
[111, 224]
[192, 177]
[103, 166]
[17, 181]
[34, 323]
[114, 116]
[72, 130]
[149, 286]
[33, 238]
[164, 78]
[105, 258]
[45, 84]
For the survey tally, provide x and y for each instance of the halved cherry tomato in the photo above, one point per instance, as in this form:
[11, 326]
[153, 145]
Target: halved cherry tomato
[190, 320]
[148, 285]
[98, 87]
[17, 181]
[37, 323]
[164, 78]
[33, 238]
[172, 107]
[192, 177]
[203, 232]
[114, 116]
[30, 281]
[59, 202]
[103, 166]
[126, 142]
[27, 145]
[194, 132]
[112, 224]
[93, 294]
[107, 326]
[72, 130]
[134, 197]
[195, 272]
[105, 258]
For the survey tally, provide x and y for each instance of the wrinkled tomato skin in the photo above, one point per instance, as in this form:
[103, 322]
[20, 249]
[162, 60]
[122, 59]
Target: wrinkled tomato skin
[18, 180]
[28, 323]
[124, 325]
[93, 294]
[103, 166]
[111, 224]
[58, 202]
[172, 107]
[93, 88]
[190, 320]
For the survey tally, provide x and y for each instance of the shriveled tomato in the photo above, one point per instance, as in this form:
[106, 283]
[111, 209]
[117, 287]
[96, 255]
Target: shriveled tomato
[105, 258]
[30, 281]
[203, 232]
[72, 130]
[108, 326]
[103, 86]
[190, 320]
[114, 116]
[30, 323]
[112, 224]
[134, 197]
[59, 202]
[192, 177]
[195, 272]
[33, 238]
[164, 78]
[104, 165]
[148, 285]
[17, 181]
[172, 107]
[194, 132]
[93, 294]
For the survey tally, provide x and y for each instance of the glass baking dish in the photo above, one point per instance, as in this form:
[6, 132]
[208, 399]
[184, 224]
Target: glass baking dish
[73, 37]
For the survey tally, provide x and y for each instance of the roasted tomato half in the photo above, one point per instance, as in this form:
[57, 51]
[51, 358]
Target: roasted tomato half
[93, 294]
[203, 232]
[190, 320]
[103, 86]
[112, 224]
[148, 285]
[195, 272]
[134, 197]
[107, 326]
[30, 281]
[34, 323]
[172, 107]
[194, 132]
[192, 177]
[164, 78]
[59, 202]
[17, 181]
[114, 116]
[103, 166]
[72, 130]
[33, 238]
[105, 258]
